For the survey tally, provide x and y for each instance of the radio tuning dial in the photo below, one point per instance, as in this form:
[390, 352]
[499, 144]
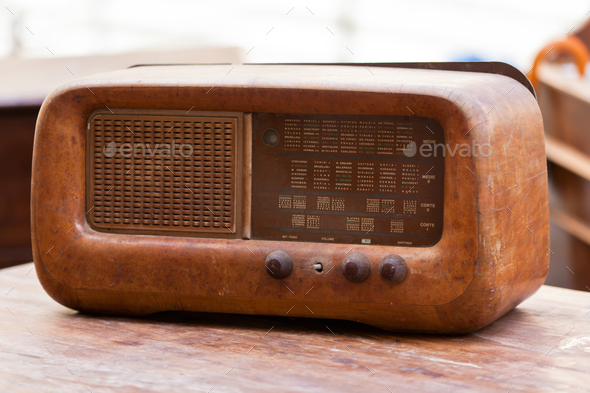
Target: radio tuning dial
[356, 267]
[278, 264]
[393, 268]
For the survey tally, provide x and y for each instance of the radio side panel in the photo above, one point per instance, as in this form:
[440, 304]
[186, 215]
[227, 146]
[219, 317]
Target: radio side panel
[513, 210]
[485, 263]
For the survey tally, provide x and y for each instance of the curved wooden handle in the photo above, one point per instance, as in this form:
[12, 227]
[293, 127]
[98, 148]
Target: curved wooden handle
[571, 45]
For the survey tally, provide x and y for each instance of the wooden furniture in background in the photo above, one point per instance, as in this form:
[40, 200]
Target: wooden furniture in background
[24, 85]
[17, 129]
[563, 92]
[542, 345]
[564, 99]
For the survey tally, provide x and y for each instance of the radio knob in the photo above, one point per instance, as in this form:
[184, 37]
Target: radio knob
[393, 268]
[356, 267]
[278, 264]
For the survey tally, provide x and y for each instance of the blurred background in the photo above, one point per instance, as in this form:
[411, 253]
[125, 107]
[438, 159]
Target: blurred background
[292, 31]
[44, 44]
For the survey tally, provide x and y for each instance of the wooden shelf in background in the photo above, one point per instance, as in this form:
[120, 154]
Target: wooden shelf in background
[570, 224]
[567, 157]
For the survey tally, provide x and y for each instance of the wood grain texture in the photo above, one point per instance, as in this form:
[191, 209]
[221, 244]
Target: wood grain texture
[493, 253]
[543, 345]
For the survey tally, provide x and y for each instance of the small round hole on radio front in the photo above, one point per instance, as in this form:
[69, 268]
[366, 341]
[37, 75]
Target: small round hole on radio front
[318, 267]
[270, 137]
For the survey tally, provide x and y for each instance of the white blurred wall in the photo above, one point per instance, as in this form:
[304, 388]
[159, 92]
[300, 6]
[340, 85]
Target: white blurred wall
[292, 31]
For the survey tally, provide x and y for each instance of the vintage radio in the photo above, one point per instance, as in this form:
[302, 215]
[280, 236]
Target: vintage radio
[412, 197]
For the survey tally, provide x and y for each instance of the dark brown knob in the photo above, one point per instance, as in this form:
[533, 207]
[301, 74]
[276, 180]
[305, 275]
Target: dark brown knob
[356, 267]
[278, 264]
[393, 268]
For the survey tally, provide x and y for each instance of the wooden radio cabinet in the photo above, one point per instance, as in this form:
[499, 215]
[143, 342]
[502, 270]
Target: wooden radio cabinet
[409, 198]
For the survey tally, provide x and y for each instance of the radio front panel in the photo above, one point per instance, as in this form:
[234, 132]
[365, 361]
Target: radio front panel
[315, 178]
[347, 179]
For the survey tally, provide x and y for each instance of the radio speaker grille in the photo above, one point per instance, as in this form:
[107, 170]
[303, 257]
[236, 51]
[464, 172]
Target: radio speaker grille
[162, 173]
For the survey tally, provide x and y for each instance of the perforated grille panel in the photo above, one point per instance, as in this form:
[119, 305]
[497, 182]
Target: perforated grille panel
[162, 173]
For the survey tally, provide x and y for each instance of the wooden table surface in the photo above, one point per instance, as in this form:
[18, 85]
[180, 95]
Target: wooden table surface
[543, 345]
